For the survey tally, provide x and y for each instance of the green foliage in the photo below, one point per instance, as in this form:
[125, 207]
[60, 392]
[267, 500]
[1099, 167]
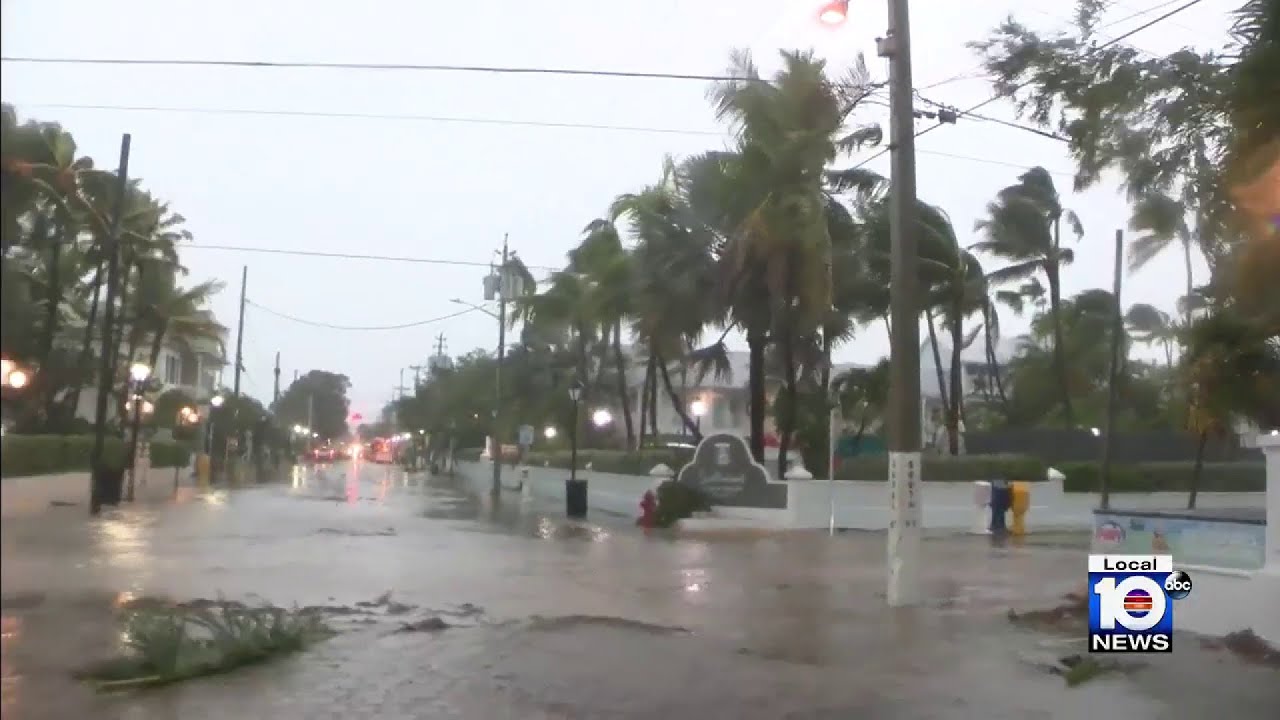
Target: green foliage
[318, 400]
[1165, 477]
[944, 468]
[175, 644]
[25, 455]
[677, 501]
[615, 461]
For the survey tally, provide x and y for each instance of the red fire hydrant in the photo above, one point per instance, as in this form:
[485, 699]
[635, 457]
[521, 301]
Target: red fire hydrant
[648, 505]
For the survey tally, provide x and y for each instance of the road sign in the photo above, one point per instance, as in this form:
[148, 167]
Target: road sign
[526, 435]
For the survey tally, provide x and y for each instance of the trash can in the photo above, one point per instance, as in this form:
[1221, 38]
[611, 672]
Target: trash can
[1000, 501]
[1019, 504]
[109, 480]
[575, 498]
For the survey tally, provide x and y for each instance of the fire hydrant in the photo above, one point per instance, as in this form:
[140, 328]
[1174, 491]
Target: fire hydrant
[648, 506]
[1020, 503]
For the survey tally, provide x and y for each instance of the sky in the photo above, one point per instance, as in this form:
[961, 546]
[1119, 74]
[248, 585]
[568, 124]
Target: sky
[449, 188]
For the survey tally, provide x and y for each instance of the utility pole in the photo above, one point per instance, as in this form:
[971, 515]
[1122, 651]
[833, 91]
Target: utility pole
[244, 283]
[106, 366]
[440, 345]
[417, 376]
[275, 392]
[905, 489]
[503, 290]
[310, 418]
[1113, 374]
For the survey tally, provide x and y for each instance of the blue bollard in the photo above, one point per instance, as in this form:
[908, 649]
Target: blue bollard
[1001, 499]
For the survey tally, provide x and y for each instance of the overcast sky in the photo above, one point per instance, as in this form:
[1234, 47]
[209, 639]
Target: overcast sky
[450, 189]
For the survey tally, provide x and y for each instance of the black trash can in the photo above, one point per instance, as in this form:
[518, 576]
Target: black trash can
[575, 498]
[110, 483]
[1001, 500]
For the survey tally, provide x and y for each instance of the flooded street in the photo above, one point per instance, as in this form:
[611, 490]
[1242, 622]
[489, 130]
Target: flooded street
[543, 618]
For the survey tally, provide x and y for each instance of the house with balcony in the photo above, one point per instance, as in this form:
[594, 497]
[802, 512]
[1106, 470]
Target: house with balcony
[193, 366]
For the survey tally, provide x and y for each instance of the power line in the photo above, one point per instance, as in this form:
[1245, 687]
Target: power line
[330, 326]
[993, 98]
[999, 121]
[377, 116]
[310, 65]
[429, 118]
[352, 256]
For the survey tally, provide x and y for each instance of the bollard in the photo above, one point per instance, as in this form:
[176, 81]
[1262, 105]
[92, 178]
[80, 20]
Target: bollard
[981, 501]
[1019, 504]
[798, 472]
[999, 506]
[526, 487]
[660, 474]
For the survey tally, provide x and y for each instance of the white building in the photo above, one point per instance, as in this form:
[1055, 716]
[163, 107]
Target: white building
[977, 383]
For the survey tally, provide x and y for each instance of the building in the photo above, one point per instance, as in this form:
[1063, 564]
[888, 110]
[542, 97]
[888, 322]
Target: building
[193, 367]
[977, 382]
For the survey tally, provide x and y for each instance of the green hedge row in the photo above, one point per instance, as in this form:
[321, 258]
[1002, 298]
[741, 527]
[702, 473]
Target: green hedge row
[1166, 477]
[945, 468]
[24, 455]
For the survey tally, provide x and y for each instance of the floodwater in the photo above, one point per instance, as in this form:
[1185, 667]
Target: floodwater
[547, 618]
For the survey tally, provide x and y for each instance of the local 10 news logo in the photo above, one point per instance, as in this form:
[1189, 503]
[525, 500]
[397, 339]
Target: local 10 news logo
[1131, 602]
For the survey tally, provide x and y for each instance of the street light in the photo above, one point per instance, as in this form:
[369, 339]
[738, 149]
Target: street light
[550, 432]
[698, 408]
[501, 316]
[601, 417]
[138, 373]
[834, 13]
[575, 490]
[17, 379]
[217, 401]
[903, 421]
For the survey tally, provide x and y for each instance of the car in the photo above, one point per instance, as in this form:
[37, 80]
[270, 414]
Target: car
[324, 453]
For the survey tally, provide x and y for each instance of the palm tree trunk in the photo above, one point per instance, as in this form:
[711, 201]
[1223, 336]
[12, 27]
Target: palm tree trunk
[644, 400]
[1186, 263]
[86, 344]
[653, 398]
[158, 341]
[992, 364]
[937, 360]
[957, 385]
[1197, 470]
[54, 299]
[755, 393]
[1059, 356]
[675, 400]
[790, 388]
[621, 366]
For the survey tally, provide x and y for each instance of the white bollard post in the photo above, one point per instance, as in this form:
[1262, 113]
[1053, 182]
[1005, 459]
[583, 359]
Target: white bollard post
[526, 486]
[906, 498]
[798, 472]
[660, 474]
[981, 505]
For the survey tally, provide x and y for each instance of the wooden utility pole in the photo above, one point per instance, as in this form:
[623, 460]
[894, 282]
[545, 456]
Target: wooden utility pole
[275, 391]
[1113, 375]
[244, 283]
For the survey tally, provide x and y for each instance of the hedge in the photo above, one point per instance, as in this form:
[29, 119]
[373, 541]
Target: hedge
[24, 455]
[1166, 477]
[945, 468]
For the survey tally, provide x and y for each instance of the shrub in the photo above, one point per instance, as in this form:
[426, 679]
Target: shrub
[945, 468]
[614, 461]
[1165, 477]
[677, 501]
[468, 454]
[24, 455]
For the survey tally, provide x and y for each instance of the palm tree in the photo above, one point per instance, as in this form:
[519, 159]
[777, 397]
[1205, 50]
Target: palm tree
[1162, 222]
[1024, 226]
[1150, 325]
[775, 231]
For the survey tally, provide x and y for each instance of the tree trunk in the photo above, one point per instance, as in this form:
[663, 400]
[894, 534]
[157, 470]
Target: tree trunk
[644, 398]
[957, 385]
[992, 364]
[1197, 470]
[621, 366]
[86, 345]
[653, 397]
[787, 426]
[937, 360]
[54, 299]
[756, 393]
[1055, 306]
[1186, 262]
[675, 400]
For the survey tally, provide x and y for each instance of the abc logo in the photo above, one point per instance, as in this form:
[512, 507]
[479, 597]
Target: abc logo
[1178, 585]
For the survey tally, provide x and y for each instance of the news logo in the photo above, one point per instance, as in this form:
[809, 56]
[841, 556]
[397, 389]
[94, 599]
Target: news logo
[1131, 602]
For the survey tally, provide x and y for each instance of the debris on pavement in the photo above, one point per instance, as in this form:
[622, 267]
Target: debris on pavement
[430, 624]
[1246, 645]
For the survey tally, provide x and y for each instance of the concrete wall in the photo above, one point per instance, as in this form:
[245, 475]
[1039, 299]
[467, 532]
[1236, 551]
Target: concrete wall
[40, 493]
[948, 505]
[859, 505]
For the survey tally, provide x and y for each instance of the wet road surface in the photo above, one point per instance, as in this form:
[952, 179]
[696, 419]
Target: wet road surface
[553, 619]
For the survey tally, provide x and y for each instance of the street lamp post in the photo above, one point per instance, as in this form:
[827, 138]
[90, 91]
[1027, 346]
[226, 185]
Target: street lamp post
[698, 408]
[905, 490]
[575, 490]
[138, 374]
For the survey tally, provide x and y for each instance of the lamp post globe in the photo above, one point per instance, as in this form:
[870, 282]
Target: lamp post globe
[139, 372]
